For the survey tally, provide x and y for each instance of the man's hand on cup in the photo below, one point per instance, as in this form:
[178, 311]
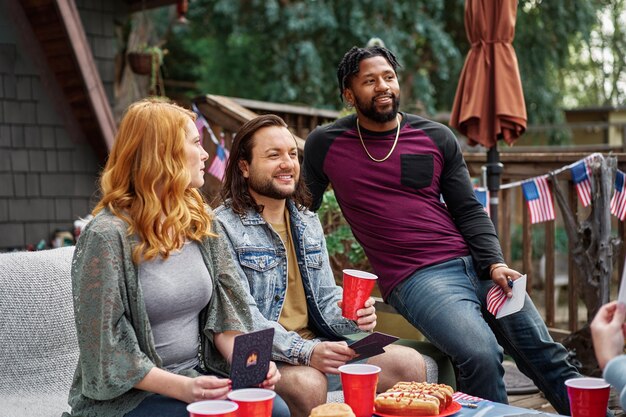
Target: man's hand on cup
[367, 316]
[327, 357]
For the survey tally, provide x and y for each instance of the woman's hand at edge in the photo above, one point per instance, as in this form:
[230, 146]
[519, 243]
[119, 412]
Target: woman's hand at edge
[184, 388]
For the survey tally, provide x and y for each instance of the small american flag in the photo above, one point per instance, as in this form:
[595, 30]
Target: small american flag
[581, 174]
[482, 195]
[539, 199]
[495, 299]
[618, 201]
[218, 166]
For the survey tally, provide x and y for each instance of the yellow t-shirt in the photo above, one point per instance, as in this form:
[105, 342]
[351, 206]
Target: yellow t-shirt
[294, 315]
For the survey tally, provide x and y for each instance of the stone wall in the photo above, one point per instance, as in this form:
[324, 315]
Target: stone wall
[46, 179]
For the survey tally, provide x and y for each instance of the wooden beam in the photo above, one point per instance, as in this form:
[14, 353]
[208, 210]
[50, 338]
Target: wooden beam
[517, 166]
[88, 71]
[549, 274]
[285, 108]
[230, 115]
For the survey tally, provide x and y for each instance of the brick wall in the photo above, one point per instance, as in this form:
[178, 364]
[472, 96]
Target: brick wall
[46, 180]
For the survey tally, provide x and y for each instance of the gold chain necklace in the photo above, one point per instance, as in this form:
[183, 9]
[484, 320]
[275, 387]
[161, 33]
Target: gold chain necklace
[395, 142]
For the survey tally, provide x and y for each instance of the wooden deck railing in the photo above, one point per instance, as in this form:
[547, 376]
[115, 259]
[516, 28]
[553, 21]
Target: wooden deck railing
[227, 114]
[512, 211]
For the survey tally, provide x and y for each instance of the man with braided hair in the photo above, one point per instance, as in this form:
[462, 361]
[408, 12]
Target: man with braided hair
[435, 261]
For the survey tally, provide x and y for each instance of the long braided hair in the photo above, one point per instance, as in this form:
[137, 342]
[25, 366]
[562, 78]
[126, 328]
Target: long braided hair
[349, 65]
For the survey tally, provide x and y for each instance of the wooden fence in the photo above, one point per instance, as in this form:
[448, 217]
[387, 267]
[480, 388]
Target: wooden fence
[226, 114]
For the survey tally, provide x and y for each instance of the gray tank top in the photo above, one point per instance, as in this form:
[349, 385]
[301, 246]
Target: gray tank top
[175, 291]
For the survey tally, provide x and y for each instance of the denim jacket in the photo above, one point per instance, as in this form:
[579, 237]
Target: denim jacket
[262, 261]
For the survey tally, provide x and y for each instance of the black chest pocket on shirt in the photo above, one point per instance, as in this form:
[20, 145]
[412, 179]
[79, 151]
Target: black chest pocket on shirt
[416, 170]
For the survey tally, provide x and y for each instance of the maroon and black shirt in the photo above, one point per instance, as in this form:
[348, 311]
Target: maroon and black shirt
[395, 207]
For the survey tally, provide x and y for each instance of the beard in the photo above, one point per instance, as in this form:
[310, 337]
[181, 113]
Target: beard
[266, 187]
[368, 109]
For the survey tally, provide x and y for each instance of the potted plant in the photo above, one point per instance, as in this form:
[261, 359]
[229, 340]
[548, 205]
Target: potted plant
[145, 59]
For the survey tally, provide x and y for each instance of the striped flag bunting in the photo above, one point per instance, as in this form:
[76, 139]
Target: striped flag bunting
[202, 123]
[218, 165]
[482, 195]
[581, 175]
[618, 201]
[539, 199]
[495, 299]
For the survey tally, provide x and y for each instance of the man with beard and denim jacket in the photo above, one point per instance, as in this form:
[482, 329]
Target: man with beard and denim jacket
[283, 262]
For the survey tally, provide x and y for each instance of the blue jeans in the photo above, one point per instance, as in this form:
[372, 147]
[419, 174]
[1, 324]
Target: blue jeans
[446, 302]
[160, 406]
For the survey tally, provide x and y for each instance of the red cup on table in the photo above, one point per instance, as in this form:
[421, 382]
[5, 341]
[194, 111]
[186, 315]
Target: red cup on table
[357, 288]
[213, 408]
[253, 402]
[588, 397]
[359, 383]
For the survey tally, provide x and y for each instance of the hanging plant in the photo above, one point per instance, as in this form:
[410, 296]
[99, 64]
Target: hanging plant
[145, 60]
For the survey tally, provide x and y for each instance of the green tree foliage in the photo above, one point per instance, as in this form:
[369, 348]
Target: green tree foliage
[597, 71]
[288, 50]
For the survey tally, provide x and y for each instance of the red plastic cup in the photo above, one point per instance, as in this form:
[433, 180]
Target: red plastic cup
[359, 387]
[357, 287]
[213, 408]
[588, 397]
[253, 402]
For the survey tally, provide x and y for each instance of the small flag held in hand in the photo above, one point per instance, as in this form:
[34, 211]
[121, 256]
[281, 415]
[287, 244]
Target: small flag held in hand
[495, 299]
[500, 306]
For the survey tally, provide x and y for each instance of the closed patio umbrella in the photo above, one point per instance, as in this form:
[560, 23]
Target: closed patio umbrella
[489, 101]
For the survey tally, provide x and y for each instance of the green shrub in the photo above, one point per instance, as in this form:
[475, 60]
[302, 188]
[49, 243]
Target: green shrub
[538, 239]
[343, 249]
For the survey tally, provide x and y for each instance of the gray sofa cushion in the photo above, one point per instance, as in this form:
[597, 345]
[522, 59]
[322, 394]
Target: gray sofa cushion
[38, 348]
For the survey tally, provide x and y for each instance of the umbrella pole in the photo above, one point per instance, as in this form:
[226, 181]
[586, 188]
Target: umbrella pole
[494, 169]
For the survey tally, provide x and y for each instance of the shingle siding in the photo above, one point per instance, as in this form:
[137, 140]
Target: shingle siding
[46, 180]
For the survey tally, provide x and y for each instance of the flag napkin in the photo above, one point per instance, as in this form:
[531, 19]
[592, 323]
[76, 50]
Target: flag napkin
[539, 199]
[461, 396]
[618, 201]
[500, 306]
[581, 174]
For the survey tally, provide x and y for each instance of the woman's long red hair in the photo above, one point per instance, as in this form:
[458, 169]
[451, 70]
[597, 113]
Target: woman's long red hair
[146, 180]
